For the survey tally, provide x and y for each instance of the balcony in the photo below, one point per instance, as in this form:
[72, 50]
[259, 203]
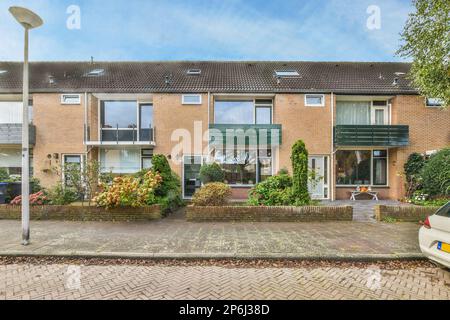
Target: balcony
[371, 136]
[11, 134]
[269, 134]
[120, 136]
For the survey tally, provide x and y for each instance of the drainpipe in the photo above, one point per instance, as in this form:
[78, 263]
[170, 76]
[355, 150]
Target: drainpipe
[85, 118]
[332, 178]
[209, 106]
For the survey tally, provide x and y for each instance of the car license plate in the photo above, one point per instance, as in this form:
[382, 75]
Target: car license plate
[444, 247]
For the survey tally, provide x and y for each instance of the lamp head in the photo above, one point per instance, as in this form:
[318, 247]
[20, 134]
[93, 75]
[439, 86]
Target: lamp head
[27, 18]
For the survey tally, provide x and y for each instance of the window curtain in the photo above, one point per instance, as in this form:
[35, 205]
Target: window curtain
[352, 112]
[120, 161]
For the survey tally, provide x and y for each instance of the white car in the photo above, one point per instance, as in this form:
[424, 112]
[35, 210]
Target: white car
[434, 236]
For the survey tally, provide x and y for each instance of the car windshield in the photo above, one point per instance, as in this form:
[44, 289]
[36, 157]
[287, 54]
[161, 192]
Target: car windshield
[444, 211]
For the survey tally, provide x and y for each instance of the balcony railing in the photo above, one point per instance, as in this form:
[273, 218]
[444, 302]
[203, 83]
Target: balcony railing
[371, 135]
[11, 133]
[125, 136]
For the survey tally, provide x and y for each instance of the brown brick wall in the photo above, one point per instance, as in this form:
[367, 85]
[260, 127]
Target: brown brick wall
[59, 130]
[269, 214]
[82, 213]
[404, 213]
[429, 129]
[311, 124]
[170, 114]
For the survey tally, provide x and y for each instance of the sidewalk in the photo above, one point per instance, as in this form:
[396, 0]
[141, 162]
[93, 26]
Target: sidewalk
[175, 238]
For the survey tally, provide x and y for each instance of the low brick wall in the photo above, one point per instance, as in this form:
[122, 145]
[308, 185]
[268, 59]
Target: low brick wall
[268, 214]
[404, 213]
[80, 213]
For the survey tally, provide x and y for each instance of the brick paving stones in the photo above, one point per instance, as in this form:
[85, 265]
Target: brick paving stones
[62, 281]
[174, 237]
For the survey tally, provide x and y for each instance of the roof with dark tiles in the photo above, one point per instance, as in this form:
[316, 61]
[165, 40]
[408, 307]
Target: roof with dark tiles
[216, 76]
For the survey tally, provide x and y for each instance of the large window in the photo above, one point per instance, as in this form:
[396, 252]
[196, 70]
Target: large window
[352, 113]
[120, 161]
[234, 112]
[11, 160]
[361, 167]
[120, 114]
[239, 165]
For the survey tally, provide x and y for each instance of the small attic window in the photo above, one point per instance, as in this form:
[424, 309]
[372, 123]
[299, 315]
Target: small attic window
[287, 73]
[95, 72]
[194, 72]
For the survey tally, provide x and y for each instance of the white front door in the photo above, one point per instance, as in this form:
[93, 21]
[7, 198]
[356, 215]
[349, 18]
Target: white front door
[318, 177]
[380, 115]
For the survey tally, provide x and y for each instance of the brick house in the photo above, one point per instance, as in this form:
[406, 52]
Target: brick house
[360, 121]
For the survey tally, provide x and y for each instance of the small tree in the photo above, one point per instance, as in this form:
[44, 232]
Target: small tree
[413, 167]
[436, 174]
[211, 173]
[299, 160]
[426, 40]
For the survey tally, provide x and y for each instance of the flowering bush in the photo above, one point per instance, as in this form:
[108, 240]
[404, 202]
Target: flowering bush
[37, 199]
[212, 194]
[129, 191]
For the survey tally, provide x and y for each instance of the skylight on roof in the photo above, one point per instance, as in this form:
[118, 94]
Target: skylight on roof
[95, 72]
[3, 71]
[194, 71]
[287, 73]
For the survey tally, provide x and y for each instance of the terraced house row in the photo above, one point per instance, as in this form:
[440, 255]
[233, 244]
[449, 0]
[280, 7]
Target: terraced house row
[360, 121]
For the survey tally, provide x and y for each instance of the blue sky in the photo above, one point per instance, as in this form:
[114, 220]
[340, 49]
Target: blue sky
[319, 30]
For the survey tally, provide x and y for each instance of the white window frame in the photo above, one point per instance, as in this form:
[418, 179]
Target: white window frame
[183, 99]
[433, 106]
[325, 185]
[71, 94]
[314, 105]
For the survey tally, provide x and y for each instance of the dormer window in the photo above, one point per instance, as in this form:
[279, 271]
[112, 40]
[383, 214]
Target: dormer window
[95, 72]
[193, 72]
[287, 73]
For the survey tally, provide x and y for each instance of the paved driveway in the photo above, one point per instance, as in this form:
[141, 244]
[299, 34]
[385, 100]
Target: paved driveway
[210, 282]
[175, 237]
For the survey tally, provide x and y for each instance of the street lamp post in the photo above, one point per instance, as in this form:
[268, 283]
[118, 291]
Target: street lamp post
[29, 20]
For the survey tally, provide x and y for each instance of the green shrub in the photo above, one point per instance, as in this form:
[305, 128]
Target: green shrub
[211, 173]
[436, 174]
[274, 191]
[413, 168]
[168, 193]
[299, 158]
[60, 195]
[4, 176]
[212, 194]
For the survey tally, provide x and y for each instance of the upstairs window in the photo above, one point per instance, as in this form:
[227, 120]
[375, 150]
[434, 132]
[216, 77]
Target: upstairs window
[434, 103]
[70, 99]
[234, 112]
[118, 114]
[192, 99]
[314, 100]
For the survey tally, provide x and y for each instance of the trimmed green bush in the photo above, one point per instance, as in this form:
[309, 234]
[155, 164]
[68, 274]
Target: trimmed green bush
[60, 195]
[211, 173]
[413, 168]
[169, 192]
[212, 194]
[436, 174]
[299, 158]
[274, 191]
